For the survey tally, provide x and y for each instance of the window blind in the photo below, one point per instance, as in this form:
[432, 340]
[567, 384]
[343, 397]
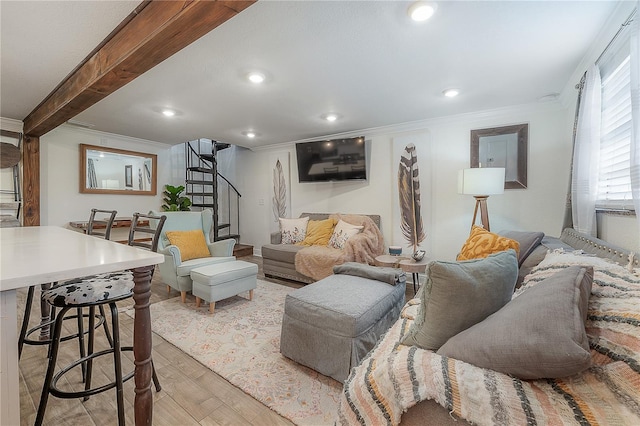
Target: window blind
[614, 182]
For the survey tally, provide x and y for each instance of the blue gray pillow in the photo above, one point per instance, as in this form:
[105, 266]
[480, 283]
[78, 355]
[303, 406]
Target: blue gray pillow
[528, 242]
[457, 295]
[539, 334]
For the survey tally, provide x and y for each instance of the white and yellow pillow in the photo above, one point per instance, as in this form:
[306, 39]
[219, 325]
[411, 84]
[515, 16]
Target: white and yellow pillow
[342, 232]
[293, 231]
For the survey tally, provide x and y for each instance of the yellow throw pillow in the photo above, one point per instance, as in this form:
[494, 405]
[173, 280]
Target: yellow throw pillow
[481, 243]
[318, 232]
[192, 244]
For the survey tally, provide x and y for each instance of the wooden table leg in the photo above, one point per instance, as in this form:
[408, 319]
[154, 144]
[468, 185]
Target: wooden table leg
[142, 346]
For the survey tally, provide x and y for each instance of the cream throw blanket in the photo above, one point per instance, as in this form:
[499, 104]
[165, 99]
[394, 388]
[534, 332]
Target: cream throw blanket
[317, 262]
[395, 377]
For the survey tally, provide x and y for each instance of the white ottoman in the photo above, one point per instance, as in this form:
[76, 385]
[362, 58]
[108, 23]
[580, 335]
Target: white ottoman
[222, 280]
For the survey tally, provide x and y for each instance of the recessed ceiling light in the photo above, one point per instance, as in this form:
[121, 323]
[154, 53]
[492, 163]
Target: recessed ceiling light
[421, 11]
[331, 117]
[168, 113]
[256, 77]
[451, 93]
[250, 134]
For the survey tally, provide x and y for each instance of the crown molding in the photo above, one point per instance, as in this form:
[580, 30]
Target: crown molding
[425, 124]
[11, 125]
[113, 136]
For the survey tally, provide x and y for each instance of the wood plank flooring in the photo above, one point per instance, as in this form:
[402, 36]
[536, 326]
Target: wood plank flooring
[191, 393]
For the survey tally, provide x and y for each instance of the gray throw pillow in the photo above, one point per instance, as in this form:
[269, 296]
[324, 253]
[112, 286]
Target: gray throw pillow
[539, 334]
[458, 295]
[528, 242]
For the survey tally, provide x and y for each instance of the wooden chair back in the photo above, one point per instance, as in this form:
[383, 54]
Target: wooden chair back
[149, 243]
[106, 218]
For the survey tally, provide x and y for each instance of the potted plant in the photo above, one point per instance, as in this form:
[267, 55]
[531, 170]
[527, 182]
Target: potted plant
[173, 201]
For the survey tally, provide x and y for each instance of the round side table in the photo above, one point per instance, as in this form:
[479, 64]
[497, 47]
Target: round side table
[389, 261]
[415, 268]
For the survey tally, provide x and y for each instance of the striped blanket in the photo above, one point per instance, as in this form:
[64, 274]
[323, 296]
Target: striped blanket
[394, 377]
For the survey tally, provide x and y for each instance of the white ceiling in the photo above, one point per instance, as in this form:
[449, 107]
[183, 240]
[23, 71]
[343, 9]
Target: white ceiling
[364, 60]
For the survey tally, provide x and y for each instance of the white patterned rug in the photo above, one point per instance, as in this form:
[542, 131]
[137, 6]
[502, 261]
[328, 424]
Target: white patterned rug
[241, 342]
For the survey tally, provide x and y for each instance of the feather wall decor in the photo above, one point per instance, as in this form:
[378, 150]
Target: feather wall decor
[409, 191]
[279, 192]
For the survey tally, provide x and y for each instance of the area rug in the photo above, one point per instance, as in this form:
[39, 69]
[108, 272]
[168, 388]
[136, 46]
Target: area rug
[241, 342]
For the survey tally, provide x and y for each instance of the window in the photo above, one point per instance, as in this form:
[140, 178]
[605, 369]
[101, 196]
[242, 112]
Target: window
[614, 181]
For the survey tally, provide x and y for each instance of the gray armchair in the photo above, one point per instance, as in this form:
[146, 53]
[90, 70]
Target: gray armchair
[174, 272]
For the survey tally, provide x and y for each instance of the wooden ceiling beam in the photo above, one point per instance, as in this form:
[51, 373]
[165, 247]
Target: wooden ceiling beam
[154, 31]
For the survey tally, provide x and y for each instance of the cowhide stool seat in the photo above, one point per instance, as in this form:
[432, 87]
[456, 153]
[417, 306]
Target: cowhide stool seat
[91, 292]
[99, 225]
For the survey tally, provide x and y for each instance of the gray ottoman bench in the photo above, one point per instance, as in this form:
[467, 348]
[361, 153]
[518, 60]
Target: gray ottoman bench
[332, 324]
[222, 280]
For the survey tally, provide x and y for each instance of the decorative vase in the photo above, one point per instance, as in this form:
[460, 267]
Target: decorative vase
[418, 255]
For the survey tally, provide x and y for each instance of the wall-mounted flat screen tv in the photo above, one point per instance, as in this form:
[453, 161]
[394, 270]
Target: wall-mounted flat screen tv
[332, 160]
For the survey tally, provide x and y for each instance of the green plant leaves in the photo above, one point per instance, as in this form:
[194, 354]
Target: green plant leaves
[173, 201]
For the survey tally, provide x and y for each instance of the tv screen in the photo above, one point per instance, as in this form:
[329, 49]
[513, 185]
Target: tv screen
[332, 160]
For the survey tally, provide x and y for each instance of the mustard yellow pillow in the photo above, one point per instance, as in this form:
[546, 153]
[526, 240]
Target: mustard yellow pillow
[318, 232]
[481, 243]
[192, 244]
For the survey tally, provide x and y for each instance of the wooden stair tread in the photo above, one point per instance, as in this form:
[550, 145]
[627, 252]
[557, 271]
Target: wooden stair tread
[240, 250]
[200, 169]
[200, 182]
[201, 194]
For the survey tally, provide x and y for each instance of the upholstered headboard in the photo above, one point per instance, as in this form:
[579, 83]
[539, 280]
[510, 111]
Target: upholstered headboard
[599, 247]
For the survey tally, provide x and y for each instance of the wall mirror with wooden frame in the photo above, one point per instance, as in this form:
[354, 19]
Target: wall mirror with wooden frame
[117, 171]
[502, 147]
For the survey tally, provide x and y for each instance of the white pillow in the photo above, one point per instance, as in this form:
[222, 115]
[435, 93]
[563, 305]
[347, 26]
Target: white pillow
[293, 230]
[342, 232]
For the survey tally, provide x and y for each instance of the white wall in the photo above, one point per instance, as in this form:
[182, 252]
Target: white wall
[539, 207]
[60, 198]
[621, 230]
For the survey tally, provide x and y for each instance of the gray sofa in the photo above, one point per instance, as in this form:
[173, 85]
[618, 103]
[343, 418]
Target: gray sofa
[278, 260]
[428, 411]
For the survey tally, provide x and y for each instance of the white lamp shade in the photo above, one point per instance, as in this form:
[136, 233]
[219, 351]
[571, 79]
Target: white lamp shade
[481, 181]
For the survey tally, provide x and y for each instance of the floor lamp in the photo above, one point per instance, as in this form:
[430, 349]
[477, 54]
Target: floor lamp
[481, 182]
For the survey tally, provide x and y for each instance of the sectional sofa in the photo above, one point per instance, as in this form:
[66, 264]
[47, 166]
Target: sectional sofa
[404, 383]
[278, 260]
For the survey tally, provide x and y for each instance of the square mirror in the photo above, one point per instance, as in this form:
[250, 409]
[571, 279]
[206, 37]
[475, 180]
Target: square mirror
[502, 147]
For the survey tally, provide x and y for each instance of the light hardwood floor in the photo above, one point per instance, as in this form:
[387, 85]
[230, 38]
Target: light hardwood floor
[191, 393]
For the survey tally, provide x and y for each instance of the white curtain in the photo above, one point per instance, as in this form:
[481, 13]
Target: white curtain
[584, 182]
[635, 112]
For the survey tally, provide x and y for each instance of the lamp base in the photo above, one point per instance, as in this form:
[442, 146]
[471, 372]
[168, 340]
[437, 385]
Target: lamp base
[481, 203]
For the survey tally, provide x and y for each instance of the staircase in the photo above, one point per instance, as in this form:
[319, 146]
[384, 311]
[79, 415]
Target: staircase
[208, 189]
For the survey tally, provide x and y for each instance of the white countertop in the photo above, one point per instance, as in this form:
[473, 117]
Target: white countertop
[42, 254]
